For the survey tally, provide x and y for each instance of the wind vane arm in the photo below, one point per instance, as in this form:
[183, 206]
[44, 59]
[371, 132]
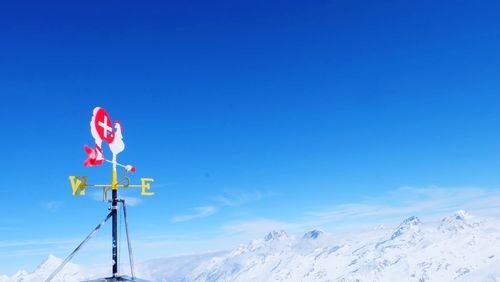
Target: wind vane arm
[79, 185]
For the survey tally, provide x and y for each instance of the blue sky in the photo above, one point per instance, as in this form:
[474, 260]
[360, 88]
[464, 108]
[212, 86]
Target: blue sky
[250, 115]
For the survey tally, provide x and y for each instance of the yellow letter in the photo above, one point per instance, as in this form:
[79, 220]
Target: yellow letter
[78, 184]
[146, 186]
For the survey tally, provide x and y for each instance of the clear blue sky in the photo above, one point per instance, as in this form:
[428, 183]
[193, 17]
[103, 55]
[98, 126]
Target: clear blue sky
[248, 114]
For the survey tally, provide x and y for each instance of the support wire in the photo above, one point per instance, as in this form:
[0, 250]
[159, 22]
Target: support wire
[78, 248]
[130, 255]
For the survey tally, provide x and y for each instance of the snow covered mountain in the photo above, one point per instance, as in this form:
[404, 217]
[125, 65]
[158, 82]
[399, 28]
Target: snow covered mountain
[71, 272]
[458, 248]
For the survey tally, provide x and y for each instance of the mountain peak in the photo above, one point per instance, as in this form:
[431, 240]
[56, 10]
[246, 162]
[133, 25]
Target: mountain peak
[457, 221]
[50, 262]
[411, 222]
[275, 235]
[461, 215]
[313, 234]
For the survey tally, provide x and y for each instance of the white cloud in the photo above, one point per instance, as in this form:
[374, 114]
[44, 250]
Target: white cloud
[129, 200]
[99, 196]
[132, 201]
[52, 206]
[430, 201]
[257, 228]
[199, 212]
[229, 199]
[238, 198]
[36, 247]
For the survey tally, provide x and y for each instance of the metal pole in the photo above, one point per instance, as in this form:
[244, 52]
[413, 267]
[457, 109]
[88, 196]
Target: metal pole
[114, 231]
[78, 248]
[114, 235]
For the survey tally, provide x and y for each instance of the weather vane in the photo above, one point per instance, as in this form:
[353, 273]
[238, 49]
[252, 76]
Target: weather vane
[101, 129]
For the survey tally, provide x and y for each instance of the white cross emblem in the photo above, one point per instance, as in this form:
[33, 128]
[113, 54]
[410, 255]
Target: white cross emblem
[105, 126]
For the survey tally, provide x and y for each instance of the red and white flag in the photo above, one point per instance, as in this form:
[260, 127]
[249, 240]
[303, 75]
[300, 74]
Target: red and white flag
[101, 129]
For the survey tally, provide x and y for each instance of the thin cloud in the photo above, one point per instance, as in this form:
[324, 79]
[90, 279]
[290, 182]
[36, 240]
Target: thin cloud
[258, 227]
[52, 206]
[431, 201]
[23, 243]
[229, 199]
[237, 199]
[132, 201]
[199, 212]
[129, 200]
[99, 196]
[20, 248]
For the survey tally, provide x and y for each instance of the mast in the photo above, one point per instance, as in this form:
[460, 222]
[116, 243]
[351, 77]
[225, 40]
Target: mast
[101, 129]
[114, 212]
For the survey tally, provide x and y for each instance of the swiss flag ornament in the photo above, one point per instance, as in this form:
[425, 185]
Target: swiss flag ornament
[102, 129]
[103, 125]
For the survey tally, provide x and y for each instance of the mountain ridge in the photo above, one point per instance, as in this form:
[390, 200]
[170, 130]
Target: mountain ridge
[461, 247]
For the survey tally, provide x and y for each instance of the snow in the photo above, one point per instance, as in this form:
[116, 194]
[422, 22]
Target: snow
[460, 247]
[72, 272]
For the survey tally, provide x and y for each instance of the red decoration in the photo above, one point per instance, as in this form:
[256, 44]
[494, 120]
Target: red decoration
[103, 126]
[92, 157]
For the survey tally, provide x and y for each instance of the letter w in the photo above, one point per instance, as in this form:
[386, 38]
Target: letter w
[78, 184]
